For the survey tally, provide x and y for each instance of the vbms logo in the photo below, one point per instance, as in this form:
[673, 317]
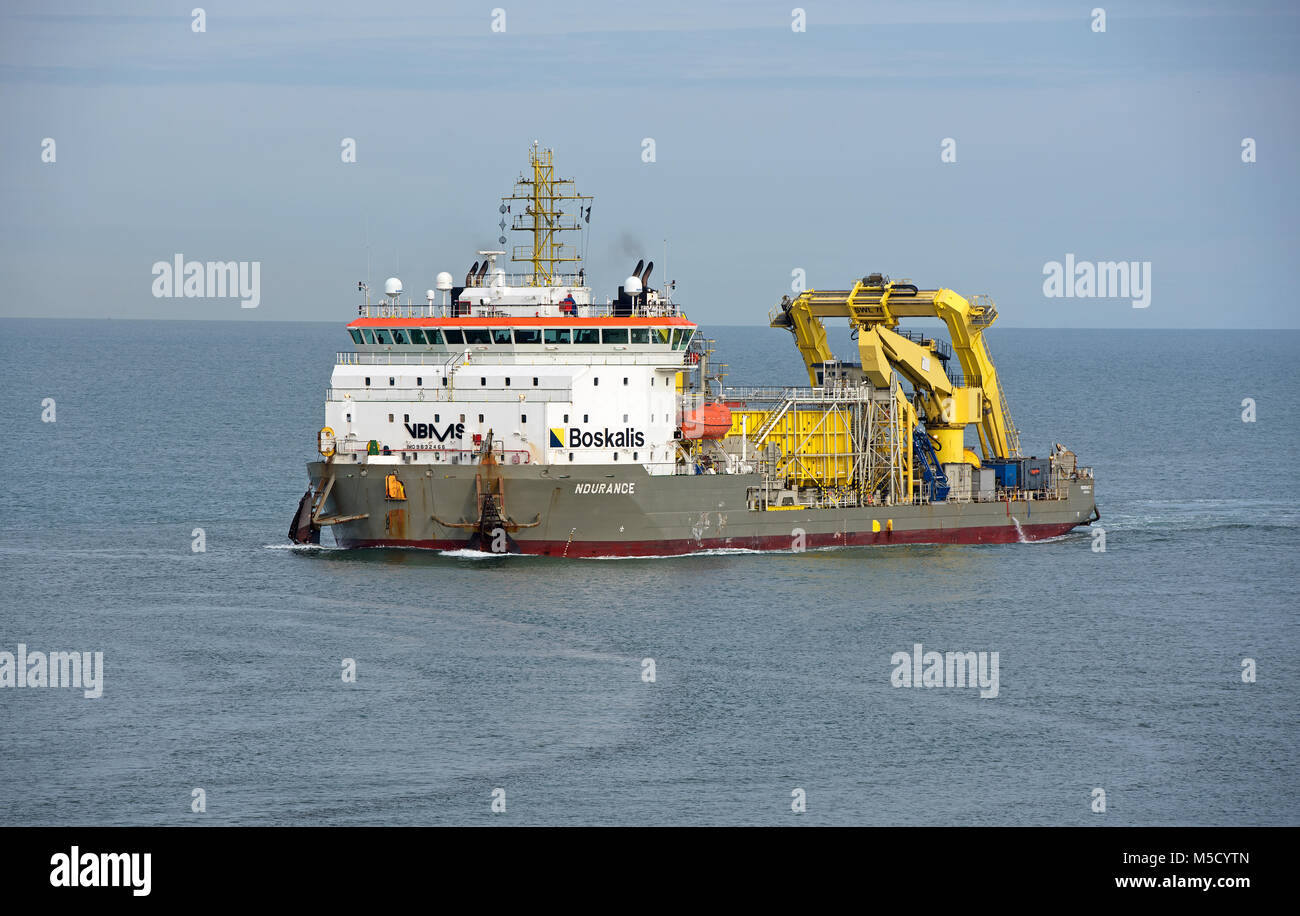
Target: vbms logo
[429, 431]
[623, 438]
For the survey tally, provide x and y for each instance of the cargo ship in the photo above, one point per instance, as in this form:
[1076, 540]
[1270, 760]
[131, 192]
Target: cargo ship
[512, 412]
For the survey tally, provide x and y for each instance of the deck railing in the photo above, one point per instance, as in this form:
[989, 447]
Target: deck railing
[517, 310]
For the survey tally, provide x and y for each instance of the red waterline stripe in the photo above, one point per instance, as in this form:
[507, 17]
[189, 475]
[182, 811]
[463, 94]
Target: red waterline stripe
[993, 534]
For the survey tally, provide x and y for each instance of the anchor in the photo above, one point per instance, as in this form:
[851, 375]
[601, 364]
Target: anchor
[302, 530]
[492, 521]
[307, 521]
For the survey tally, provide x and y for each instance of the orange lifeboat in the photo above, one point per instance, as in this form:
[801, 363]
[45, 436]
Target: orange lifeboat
[709, 421]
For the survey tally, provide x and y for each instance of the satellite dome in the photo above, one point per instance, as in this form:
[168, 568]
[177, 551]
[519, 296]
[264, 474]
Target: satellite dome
[443, 280]
[430, 295]
[392, 287]
[632, 286]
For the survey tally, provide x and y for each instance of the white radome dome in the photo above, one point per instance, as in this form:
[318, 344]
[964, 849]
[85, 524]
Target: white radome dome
[443, 280]
[430, 295]
[632, 286]
[392, 287]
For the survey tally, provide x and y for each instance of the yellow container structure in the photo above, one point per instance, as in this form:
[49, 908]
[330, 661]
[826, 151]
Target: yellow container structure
[816, 445]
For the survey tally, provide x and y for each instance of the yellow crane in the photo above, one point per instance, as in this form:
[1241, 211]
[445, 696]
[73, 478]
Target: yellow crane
[874, 307]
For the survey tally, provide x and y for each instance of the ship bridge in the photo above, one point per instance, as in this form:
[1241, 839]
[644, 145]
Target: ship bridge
[524, 362]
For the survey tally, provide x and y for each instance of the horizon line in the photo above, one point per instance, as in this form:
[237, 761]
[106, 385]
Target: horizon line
[250, 320]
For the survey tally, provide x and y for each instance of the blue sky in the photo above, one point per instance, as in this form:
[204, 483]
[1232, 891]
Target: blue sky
[775, 150]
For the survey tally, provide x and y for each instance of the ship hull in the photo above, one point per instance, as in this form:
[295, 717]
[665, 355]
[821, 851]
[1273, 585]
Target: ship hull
[597, 511]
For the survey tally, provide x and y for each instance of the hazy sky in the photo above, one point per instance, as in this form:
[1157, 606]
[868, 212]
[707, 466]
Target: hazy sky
[775, 150]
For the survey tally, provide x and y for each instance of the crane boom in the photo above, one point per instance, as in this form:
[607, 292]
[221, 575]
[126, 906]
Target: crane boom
[874, 307]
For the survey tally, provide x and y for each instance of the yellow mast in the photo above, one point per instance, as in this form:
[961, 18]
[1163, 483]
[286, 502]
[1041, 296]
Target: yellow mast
[541, 195]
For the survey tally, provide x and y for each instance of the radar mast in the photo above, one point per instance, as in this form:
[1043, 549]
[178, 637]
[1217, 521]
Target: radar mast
[542, 195]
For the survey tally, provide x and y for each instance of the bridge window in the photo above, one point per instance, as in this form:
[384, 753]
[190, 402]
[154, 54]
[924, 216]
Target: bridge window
[370, 337]
[477, 336]
[586, 336]
[614, 335]
[382, 336]
[660, 335]
[528, 336]
[677, 340]
[356, 335]
[433, 335]
[453, 335]
[399, 336]
[639, 336]
[556, 336]
[417, 336]
[501, 336]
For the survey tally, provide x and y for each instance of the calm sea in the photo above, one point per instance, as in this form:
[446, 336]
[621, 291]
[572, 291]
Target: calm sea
[1119, 670]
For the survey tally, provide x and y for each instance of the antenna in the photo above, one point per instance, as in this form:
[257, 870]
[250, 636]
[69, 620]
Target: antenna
[367, 249]
[667, 288]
